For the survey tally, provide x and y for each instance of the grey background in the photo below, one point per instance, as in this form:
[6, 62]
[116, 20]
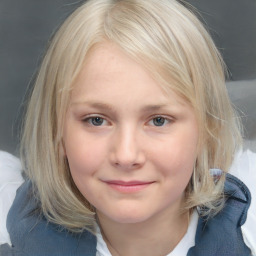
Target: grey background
[27, 25]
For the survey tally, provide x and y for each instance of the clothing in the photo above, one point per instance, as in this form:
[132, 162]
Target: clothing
[10, 180]
[32, 235]
[181, 249]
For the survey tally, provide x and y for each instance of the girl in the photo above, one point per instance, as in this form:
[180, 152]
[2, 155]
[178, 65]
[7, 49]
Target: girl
[128, 128]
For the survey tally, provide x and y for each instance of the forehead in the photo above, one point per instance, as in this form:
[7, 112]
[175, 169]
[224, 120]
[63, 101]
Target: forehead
[110, 71]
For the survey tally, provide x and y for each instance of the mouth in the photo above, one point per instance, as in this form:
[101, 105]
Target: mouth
[128, 186]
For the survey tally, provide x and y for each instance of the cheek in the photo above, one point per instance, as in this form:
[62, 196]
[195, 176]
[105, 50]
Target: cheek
[83, 160]
[177, 155]
[83, 153]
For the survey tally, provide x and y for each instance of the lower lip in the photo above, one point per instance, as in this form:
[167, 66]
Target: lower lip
[129, 188]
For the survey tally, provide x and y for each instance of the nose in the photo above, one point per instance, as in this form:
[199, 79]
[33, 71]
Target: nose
[127, 150]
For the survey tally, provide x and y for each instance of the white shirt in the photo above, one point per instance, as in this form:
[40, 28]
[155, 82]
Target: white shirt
[244, 167]
[181, 249]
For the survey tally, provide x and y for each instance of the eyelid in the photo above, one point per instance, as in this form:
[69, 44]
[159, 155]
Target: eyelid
[86, 118]
[168, 118]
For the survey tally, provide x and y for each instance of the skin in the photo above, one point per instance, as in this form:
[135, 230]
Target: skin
[131, 149]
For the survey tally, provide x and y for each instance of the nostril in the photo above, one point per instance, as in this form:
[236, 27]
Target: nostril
[126, 151]
[127, 165]
[128, 160]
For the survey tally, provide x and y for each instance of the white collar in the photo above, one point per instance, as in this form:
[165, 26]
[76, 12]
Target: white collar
[181, 249]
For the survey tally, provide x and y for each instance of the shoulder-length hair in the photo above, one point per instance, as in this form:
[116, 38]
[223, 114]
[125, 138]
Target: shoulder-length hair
[166, 38]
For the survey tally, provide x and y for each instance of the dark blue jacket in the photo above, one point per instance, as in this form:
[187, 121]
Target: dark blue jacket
[32, 235]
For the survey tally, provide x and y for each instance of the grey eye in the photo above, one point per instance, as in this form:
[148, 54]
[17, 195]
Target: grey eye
[159, 121]
[96, 121]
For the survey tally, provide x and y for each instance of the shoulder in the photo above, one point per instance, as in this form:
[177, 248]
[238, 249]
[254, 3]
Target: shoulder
[32, 234]
[232, 230]
[244, 168]
[10, 180]
[223, 234]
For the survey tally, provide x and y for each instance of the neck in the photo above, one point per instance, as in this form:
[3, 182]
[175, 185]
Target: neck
[152, 237]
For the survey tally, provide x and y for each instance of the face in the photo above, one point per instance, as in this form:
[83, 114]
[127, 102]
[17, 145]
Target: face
[131, 147]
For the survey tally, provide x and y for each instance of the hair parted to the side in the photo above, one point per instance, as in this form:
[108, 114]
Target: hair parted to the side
[167, 39]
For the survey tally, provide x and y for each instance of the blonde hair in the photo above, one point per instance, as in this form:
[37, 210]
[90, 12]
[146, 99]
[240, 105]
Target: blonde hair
[167, 39]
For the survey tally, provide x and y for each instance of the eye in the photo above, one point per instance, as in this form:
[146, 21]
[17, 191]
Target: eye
[95, 121]
[159, 121]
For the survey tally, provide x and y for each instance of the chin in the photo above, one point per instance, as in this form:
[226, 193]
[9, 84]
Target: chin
[127, 217]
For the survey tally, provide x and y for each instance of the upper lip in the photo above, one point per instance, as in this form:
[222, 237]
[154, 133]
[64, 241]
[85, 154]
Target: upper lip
[128, 183]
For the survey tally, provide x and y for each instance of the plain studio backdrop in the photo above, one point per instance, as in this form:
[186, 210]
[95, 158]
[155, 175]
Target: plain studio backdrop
[27, 25]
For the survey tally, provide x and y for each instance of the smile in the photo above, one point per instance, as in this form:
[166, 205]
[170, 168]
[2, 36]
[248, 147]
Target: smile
[128, 186]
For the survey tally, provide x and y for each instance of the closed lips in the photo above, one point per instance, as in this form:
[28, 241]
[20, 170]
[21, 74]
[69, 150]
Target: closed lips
[128, 186]
[128, 183]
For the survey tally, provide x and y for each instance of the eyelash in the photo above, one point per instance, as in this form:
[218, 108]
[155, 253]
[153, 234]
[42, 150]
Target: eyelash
[165, 120]
[90, 120]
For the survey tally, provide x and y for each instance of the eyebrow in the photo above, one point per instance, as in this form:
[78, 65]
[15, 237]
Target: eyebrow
[99, 105]
[109, 107]
[156, 107]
